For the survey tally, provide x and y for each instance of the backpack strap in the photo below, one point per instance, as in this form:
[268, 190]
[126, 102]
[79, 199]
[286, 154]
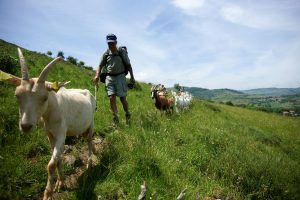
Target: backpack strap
[106, 54]
[121, 55]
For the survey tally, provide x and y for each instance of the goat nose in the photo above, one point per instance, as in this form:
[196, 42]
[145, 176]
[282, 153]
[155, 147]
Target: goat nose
[26, 127]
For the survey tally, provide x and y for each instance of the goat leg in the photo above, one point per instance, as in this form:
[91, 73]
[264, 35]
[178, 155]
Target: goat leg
[49, 188]
[53, 163]
[60, 177]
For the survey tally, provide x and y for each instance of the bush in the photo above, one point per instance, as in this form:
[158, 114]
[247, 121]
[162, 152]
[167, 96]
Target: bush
[72, 60]
[136, 85]
[49, 53]
[88, 67]
[80, 64]
[60, 53]
[229, 103]
[8, 64]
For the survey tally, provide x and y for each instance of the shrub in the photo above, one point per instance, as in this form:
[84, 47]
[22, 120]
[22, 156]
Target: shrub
[229, 103]
[81, 64]
[60, 53]
[72, 60]
[88, 67]
[49, 53]
[8, 64]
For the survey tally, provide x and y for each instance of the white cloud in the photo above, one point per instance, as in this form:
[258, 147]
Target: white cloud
[214, 44]
[278, 67]
[188, 5]
[232, 13]
[265, 15]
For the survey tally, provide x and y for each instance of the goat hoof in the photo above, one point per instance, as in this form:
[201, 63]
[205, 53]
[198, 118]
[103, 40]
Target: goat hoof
[47, 195]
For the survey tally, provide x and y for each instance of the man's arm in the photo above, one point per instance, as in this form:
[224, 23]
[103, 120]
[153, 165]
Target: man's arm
[98, 72]
[131, 74]
[127, 62]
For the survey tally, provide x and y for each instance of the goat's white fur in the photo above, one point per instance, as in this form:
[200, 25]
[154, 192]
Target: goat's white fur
[67, 112]
[183, 100]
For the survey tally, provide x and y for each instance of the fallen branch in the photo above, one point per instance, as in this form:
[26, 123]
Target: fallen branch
[153, 196]
[181, 195]
[142, 195]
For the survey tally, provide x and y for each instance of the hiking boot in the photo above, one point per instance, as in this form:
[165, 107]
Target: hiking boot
[127, 117]
[115, 120]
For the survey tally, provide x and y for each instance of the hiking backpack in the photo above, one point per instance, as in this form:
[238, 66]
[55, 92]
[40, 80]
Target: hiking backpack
[104, 73]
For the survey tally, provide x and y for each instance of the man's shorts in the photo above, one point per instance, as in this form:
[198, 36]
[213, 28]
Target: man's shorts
[116, 85]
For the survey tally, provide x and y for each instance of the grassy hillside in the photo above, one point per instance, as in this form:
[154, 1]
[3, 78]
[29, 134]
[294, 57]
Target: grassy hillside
[214, 150]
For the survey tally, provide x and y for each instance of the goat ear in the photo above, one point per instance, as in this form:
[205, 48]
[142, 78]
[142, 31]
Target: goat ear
[11, 79]
[55, 86]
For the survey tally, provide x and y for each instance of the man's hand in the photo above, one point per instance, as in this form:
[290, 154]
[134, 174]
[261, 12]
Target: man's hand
[95, 80]
[132, 80]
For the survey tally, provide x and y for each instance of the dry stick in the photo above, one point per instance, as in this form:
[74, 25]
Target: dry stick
[153, 196]
[96, 90]
[181, 195]
[198, 196]
[142, 195]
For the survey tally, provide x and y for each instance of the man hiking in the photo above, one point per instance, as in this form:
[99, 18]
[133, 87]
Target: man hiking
[117, 65]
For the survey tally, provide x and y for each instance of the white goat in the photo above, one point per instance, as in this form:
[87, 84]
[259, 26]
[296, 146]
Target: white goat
[67, 112]
[182, 101]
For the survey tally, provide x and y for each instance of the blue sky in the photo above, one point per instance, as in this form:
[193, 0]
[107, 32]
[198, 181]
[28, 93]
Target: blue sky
[237, 44]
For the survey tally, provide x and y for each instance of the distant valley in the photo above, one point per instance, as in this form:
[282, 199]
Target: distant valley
[273, 91]
[266, 99]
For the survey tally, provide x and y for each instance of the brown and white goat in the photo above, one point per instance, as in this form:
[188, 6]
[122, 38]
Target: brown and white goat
[65, 112]
[162, 102]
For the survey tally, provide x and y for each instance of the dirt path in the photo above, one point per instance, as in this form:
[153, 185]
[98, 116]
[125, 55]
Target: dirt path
[75, 158]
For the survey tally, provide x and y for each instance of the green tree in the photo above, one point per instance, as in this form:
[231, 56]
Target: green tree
[72, 60]
[177, 87]
[81, 64]
[60, 53]
[49, 53]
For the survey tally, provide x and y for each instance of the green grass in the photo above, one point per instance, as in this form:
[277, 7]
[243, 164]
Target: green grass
[214, 150]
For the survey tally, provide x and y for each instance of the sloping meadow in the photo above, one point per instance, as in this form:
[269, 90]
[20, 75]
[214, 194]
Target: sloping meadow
[213, 150]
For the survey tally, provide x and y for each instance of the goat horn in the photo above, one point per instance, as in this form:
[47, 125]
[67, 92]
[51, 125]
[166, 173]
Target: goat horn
[154, 87]
[44, 73]
[24, 68]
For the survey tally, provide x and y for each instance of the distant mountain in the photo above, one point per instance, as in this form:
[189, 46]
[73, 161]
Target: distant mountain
[213, 94]
[218, 94]
[273, 91]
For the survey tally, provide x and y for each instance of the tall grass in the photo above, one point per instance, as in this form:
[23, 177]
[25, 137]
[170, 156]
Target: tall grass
[214, 150]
